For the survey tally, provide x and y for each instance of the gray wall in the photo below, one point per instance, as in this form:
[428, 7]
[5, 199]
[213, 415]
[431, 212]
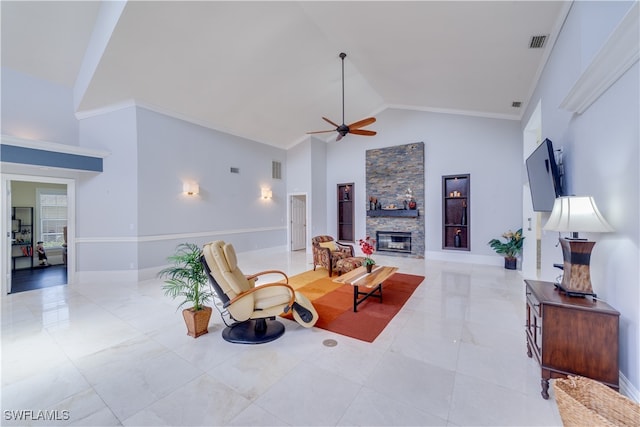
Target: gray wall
[601, 160]
[229, 205]
[488, 149]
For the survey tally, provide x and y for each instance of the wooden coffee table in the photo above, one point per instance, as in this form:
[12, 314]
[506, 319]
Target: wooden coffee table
[359, 277]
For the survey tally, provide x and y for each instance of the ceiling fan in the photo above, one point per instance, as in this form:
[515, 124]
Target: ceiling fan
[353, 128]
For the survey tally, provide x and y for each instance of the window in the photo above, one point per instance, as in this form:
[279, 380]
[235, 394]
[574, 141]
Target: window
[52, 216]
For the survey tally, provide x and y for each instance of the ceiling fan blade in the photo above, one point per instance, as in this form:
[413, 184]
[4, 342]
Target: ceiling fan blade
[329, 121]
[339, 137]
[322, 131]
[362, 132]
[362, 123]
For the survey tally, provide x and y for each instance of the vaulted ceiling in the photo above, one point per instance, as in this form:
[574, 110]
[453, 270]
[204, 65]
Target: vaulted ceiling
[269, 71]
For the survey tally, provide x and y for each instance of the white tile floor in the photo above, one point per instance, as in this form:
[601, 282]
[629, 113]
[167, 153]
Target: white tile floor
[118, 354]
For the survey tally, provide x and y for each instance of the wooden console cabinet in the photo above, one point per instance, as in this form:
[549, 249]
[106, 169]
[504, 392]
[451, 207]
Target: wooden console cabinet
[571, 335]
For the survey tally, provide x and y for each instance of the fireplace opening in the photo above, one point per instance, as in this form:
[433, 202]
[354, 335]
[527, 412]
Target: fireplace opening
[393, 241]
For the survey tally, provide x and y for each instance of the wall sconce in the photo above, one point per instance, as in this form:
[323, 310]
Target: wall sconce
[191, 188]
[267, 194]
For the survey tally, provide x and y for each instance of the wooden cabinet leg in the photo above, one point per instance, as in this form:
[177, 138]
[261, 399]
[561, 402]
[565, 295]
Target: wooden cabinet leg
[545, 388]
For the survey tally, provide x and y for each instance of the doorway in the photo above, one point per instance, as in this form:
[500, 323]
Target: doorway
[298, 222]
[531, 221]
[49, 225]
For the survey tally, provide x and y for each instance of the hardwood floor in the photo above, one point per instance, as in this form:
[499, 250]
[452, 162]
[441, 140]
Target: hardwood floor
[38, 277]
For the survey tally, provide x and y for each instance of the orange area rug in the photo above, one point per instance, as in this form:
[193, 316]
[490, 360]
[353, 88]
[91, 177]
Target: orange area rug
[334, 303]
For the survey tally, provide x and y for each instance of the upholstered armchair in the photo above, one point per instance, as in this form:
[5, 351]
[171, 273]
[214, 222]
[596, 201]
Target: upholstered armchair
[326, 252]
[251, 309]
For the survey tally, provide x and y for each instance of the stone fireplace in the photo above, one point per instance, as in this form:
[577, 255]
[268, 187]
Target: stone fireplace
[390, 173]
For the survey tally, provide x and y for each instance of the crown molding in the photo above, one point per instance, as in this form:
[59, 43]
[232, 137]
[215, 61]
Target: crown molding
[617, 55]
[85, 114]
[53, 147]
[470, 113]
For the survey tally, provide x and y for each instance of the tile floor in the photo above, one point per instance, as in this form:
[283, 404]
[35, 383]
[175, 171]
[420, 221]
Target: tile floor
[118, 354]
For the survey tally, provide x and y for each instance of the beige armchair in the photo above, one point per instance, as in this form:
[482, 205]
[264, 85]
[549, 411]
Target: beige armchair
[252, 309]
[327, 252]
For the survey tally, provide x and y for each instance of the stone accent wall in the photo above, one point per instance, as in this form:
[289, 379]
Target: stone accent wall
[390, 172]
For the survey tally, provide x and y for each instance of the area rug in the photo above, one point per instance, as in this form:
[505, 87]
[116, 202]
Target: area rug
[334, 303]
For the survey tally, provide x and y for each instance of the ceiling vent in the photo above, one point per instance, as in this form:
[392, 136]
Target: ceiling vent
[234, 170]
[537, 42]
[516, 104]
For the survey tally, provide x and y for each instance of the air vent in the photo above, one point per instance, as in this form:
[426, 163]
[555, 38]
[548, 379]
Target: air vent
[537, 42]
[516, 104]
[276, 170]
[235, 170]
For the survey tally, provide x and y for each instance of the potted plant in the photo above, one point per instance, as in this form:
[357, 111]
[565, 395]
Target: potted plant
[509, 249]
[368, 248]
[187, 279]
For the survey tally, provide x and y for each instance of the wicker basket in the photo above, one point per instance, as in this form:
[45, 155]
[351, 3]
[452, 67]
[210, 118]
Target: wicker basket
[585, 402]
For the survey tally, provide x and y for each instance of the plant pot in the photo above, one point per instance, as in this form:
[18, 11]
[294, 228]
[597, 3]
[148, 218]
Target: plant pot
[510, 263]
[197, 321]
[369, 267]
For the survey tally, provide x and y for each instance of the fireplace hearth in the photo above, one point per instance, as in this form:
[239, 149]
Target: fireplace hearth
[393, 241]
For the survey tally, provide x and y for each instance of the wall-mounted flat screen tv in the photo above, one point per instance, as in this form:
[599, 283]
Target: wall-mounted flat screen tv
[545, 180]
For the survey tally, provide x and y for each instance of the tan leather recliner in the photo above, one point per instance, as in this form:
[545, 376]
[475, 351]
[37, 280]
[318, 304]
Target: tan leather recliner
[248, 305]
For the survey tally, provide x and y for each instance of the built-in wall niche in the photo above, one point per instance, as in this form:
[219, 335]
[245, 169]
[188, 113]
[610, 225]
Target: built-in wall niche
[346, 194]
[394, 177]
[455, 212]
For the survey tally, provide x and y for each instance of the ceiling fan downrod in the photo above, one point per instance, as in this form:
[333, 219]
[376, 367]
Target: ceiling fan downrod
[355, 127]
[342, 56]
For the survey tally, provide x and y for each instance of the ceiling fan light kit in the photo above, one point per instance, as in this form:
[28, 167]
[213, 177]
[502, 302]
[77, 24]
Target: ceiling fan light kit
[353, 128]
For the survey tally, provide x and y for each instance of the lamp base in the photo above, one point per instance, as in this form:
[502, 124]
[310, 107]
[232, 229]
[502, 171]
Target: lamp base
[573, 293]
[576, 279]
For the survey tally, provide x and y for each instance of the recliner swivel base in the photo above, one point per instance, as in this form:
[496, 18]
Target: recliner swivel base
[253, 331]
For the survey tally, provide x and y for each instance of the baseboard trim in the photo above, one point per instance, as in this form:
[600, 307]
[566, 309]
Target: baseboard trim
[628, 389]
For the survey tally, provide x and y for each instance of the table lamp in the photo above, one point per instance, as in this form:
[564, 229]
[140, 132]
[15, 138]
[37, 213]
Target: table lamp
[574, 214]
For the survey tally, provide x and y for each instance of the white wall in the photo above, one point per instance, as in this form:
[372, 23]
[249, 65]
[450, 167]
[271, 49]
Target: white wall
[107, 203]
[488, 149]
[601, 152]
[36, 109]
[319, 172]
[306, 173]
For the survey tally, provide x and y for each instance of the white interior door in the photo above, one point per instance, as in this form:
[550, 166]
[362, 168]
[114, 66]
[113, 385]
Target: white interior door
[298, 222]
[6, 231]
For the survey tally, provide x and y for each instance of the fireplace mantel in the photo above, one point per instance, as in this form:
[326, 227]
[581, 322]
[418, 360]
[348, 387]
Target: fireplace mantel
[408, 213]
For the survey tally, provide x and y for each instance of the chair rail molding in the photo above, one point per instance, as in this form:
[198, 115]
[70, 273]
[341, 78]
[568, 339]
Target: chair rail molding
[617, 55]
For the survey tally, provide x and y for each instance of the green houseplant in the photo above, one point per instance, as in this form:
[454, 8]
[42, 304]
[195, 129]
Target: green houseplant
[509, 249]
[186, 279]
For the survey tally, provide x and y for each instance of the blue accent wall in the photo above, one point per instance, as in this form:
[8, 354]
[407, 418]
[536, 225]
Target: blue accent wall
[32, 156]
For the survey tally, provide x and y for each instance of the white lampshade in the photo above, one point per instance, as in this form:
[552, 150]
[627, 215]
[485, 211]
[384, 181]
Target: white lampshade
[577, 214]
